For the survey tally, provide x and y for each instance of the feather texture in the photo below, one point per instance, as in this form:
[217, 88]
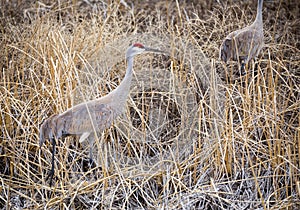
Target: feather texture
[94, 116]
[244, 44]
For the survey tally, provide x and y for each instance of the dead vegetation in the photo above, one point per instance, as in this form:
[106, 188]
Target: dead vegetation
[196, 134]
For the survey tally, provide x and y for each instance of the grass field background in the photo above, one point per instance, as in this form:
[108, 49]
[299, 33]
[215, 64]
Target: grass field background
[196, 133]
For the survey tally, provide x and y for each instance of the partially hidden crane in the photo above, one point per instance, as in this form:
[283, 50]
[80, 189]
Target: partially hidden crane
[244, 44]
[91, 117]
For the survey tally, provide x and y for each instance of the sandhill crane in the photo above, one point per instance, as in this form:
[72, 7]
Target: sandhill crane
[244, 44]
[91, 117]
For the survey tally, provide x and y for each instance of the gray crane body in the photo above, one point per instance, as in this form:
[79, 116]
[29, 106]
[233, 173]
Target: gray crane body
[91, 117]
[244, 44]
[87, 117]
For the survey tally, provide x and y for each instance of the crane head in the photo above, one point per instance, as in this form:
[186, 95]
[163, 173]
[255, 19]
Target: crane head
[138, 48]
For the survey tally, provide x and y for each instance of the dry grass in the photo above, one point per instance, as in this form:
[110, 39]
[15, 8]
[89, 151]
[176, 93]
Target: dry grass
[196, 134]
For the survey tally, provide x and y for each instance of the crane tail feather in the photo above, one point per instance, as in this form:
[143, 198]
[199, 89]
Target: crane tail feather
[43, 130]
[84, 136]
[46, 129]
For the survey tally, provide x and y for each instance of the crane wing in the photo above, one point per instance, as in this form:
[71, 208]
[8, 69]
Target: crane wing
[85, 118]
[243, 44]
[248, 43]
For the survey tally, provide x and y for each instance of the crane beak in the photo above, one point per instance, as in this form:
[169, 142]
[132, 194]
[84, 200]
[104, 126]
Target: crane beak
[148, 49]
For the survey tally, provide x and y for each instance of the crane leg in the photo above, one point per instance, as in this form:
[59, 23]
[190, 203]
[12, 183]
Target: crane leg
[243, 60]
[243, 68]
[91, 161]
[51, 173]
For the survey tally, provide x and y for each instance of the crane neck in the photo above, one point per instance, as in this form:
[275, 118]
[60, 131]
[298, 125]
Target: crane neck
[126, 82]
[122, 91]
[129, 66]
[259, 11]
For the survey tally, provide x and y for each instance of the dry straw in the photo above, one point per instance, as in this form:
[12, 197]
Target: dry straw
[196, 133]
